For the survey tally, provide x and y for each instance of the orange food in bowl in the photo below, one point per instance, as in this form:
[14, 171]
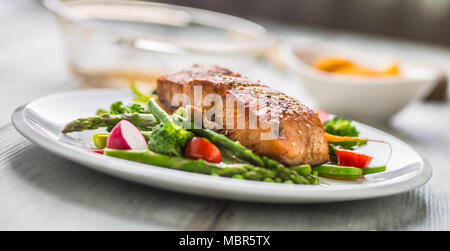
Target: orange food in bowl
[347, 67]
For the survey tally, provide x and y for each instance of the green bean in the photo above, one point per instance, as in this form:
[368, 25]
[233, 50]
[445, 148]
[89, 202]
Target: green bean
[344, 172]
[371, 170]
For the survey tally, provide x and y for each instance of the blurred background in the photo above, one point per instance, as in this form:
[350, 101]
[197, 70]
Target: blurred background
[71, 44]
[422, 20]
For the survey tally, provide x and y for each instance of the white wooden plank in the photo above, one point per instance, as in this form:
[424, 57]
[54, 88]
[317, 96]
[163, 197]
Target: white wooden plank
[42, 191]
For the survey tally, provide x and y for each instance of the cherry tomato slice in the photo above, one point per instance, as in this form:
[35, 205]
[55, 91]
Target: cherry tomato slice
[200, 148]
[348, 158]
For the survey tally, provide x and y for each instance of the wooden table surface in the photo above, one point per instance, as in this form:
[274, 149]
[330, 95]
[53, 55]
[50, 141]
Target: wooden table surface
[41, 191]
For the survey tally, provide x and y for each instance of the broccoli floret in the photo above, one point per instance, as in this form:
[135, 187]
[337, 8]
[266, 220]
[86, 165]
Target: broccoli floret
[119, 108]
[135, 108]
[341, 127]
[102, 111]
[169, 139]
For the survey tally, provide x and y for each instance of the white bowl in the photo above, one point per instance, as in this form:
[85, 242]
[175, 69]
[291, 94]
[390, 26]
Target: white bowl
[362, 98]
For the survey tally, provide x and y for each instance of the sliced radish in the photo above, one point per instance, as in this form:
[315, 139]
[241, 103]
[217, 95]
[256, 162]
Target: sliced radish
[97, 151]
[125, 136]
[323, 115]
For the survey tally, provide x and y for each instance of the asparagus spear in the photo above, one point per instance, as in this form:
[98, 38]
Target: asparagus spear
[243, 153]
[158, 112]
[313, 178]
[246, 171]
[284, 172]
[232, 146]
[236, 148]
[144, 122]
[304, 170]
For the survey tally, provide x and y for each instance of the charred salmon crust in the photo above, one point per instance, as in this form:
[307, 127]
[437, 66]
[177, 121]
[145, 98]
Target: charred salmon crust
[301, 137]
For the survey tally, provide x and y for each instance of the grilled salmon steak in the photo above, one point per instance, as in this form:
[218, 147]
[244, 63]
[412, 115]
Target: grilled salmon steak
[299, 136]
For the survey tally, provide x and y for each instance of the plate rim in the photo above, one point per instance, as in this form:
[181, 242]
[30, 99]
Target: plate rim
[224, 188]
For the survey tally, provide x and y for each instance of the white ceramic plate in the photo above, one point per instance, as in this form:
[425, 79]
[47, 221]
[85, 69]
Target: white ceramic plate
[41, 120]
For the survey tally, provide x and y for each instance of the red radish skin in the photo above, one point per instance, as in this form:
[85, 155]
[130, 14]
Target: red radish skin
[323, 115]
[97, 151]
[125, 136]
